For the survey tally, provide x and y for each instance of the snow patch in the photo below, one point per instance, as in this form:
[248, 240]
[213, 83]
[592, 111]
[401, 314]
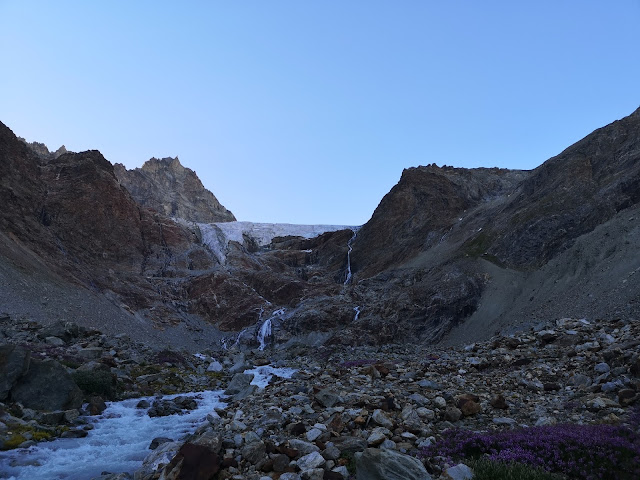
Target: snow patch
[218, 235]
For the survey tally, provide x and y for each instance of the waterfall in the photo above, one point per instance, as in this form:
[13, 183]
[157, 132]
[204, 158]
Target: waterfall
[349, 244]
[357, 310]
[265, 329]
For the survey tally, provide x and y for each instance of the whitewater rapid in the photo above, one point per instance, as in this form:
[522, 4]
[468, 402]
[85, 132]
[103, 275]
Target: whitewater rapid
[120, 439]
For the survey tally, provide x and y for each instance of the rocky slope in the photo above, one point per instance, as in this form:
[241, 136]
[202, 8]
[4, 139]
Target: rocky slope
[345, 411]
[449, 254]
[165, 186]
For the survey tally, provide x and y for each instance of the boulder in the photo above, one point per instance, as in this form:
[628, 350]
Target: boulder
[379, 418]
[459, 472]
[327, 398]
[195, 462]
[381, 464]
[254, 452]
[311, 461]
[66, 331]
[239, 382]
[47, 386]
[14, 363]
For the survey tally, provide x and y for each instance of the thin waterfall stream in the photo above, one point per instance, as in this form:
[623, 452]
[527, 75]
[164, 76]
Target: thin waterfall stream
[350, 248]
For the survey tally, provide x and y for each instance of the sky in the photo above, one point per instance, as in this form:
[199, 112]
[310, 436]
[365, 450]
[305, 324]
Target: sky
[307, 112]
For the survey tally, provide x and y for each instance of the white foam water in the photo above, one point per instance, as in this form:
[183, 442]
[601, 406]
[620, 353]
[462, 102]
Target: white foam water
[263, 375]
[265, 329]
[118, 443]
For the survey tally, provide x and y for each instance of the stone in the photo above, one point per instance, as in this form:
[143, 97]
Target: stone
[377, 436]
[459, 472]
[304, 448]
[55, 341]
[310, 461]
[504, 421]
[47, 386]
[215, 366]
[440, 402]
[74, 433]
[429, 385]
[342, 470]
[331, 452]
[499, 402]
[327, 398]
[280, 462]
[65, 330]
[161, 455]
[313, 474]
[380, 464]
[239, 382]
[602, 368]
[468, 404]
[254, 452]
[452, 414]
[96, 405]
[156, 442]
[579, 380]
[349, 444]
[14, 363]
[426, 413]
[627, 397]
[192, 461]
[90, 353]
[599, 403]
[379, 418]
[290, 476]
[313, 434]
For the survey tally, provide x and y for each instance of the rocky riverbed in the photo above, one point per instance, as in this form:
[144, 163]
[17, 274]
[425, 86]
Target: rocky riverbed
[361, 412]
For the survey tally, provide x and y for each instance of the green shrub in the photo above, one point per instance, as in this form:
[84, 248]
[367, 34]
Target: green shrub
[13, 442]
[96, 383]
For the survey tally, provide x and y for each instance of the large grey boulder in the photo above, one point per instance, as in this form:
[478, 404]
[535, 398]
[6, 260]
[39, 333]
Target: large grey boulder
[381, 464]
[240, 386]
[14, 363]
[47, 386]
[238, 383]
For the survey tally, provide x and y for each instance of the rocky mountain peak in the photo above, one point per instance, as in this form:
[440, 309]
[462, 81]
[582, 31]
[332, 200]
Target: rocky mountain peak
[172, 189]
[42, 151]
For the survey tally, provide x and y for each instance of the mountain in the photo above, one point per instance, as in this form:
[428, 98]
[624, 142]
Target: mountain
[449, 255]
[169, 188]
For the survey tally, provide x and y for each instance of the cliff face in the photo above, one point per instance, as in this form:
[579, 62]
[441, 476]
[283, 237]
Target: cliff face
[448, 254]
[165, 186]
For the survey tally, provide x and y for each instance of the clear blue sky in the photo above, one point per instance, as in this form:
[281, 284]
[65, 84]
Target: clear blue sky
[307, 112]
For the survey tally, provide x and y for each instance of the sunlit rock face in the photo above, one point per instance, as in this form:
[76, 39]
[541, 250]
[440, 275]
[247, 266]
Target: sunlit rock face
[449, 253]
[166, 186]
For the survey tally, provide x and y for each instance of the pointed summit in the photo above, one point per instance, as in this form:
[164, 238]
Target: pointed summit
[172, 189]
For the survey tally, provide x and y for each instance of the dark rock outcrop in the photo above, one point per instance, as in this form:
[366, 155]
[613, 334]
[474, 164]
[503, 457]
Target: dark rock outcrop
[173, 190]
[447, 249]
[14, 363]
[47, 386]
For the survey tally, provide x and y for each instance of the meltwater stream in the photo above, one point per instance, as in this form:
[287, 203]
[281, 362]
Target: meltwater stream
[349, 244]
[120, 438]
